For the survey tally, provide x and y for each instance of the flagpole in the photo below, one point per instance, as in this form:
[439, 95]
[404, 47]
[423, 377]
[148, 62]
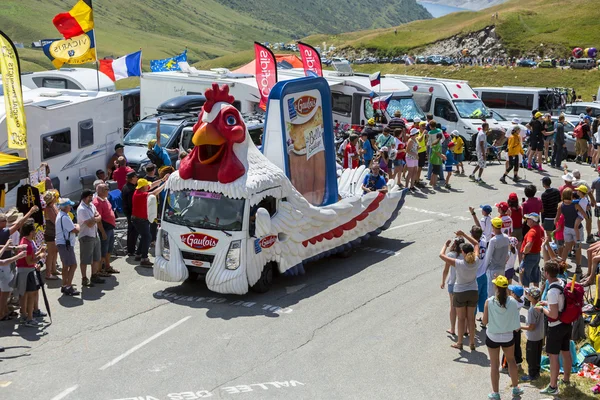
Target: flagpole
[96, 49]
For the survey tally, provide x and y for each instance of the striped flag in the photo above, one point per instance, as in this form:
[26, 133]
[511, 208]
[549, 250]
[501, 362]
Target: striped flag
[375, 78]
[381, 103]
[123, 67]
[76, 22]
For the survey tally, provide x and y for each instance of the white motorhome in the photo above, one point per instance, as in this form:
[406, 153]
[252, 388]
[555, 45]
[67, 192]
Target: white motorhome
[451, 102]
[351, 102]
[516, 101]
[73, 131]
[68, 78]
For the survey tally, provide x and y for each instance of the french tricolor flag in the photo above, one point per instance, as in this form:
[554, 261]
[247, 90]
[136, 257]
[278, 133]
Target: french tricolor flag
[123, 67]
[375, 78]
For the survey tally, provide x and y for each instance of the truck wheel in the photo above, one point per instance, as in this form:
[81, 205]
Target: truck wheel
[193, 276]
[265, 281]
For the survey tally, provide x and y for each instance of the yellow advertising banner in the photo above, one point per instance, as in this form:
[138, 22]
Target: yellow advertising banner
[13, 94]
[76, 50]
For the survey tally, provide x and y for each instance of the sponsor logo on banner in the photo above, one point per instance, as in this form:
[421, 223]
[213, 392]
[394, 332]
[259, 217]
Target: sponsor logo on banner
[197, 263]
[311, 60]
[70, 48]
[314, 141]
[305, 104]
[266, 72]
[268, 241]
[16, 124]
[199, 241]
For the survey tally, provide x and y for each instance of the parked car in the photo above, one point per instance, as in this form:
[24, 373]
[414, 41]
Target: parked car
[421, 60]
[384, 60]
[397, 60]
[575, 109]
[583, 63]
[526, 63]
[546, 63]
[435, 60]
[448, 61]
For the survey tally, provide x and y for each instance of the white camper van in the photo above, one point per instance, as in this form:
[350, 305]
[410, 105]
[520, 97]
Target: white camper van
[452, 103]
[68, 78]
[73, 131]
[515, 101]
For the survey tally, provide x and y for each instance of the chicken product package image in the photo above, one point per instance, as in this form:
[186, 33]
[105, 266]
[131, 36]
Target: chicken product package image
[302, 134]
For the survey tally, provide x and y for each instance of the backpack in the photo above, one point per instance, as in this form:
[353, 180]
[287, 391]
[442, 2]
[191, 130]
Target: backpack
[578, 132]
[154, 159]
[573, 303]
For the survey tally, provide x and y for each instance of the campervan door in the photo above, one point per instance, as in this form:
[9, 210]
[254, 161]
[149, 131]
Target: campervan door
[73, 131]
[157, 87]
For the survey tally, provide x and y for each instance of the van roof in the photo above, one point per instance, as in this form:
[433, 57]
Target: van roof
[514, 89]
[457, 89]
[52, 98]
[86, 77]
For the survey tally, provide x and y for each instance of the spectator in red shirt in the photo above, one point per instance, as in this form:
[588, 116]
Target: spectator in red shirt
[139, 215]
[120, 174]
[531, 249]
[568, 178]
[531, 205]
[516, 214]
[350, 153]
[106, 226]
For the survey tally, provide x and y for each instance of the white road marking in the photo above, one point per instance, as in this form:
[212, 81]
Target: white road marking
[439, 214]
[145, 342]
[405, 225]
[382, 251]
[65, 393]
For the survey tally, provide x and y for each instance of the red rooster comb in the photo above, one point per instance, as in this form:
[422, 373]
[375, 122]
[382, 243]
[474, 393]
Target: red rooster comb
[215, 95]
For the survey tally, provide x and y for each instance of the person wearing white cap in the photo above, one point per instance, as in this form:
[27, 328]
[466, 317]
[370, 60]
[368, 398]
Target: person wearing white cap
[412, 160]
[568, 179]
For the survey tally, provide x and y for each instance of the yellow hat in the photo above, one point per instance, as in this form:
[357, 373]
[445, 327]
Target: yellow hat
[538, 114]
[497, 222]
[582, 188]
[371, 121]
[500, 281]
[422, 123]
[151, 143]
[141, 183]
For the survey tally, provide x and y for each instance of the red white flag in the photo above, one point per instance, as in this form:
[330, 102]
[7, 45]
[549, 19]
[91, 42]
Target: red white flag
[266, 72]
[311, 60]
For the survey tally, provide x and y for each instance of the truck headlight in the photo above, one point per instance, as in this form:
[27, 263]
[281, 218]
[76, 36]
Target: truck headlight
[232, 261]
[166, 251]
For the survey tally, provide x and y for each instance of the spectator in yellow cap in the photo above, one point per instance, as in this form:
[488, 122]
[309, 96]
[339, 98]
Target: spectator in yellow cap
[581, 192]
[496, 253]
[422, 151]
[501, 316]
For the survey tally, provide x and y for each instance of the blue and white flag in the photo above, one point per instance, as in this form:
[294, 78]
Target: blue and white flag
[168, 64]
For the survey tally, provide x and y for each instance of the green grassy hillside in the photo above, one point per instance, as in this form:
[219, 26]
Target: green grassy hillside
[209, 28]
[525, 26]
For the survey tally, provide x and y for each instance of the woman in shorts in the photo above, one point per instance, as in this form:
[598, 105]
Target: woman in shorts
[501, 316]
[27, 280]
[450, 280]
[465, 294]
[412, 163]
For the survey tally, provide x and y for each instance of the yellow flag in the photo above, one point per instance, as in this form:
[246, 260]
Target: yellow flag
[13, 94]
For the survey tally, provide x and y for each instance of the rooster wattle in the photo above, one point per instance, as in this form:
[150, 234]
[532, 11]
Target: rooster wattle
[217, 130]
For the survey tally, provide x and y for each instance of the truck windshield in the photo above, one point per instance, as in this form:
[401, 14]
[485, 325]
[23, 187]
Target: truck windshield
[472, 109]
[199, 209]
[406, 105]
[145, 131]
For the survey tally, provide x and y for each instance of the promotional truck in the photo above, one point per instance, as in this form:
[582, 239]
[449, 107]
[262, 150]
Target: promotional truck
[239, 217]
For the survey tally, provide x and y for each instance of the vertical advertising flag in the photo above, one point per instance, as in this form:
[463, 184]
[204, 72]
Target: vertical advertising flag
[13, 94]
[311, 59]
[266, 72]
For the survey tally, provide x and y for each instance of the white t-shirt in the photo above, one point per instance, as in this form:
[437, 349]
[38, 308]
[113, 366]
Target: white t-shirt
[583, 203]
[512, 259]
[481, 138]
[486, 226]
[84, 213]
[64, 229]
[555, 297]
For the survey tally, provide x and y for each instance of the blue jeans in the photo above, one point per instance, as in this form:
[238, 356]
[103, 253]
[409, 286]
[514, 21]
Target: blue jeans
[142, 226]
[482, 290]
[531, 269]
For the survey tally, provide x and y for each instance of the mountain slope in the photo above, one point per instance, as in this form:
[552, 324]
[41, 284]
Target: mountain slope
[474, 5]
[524, 27]
[209, 28]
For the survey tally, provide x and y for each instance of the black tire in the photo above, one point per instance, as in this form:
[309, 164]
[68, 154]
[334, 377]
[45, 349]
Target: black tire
[193, 276]
[345, 253]
[265, 281]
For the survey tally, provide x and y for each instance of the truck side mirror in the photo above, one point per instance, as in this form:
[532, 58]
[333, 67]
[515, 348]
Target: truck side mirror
[263, 222]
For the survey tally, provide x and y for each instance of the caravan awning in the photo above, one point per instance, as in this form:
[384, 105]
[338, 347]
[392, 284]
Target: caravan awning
[12, 168]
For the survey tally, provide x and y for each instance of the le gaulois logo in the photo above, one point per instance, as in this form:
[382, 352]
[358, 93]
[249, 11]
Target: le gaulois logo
[199, 241]
[305, 104]
[268, 241]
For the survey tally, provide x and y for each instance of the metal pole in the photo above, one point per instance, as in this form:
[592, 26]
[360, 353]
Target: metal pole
[96, 51]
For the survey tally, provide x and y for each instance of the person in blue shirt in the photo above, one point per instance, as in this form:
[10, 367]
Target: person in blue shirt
[161, 152]
[374, 181]
[367, 148]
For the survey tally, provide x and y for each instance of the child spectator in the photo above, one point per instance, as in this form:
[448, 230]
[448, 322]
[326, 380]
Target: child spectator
[509, 271]
[458, 149]
[516, 292]
[534, 332]
[516, 214]
[559, 234]
[485, 223]
[507, 222]
[450, 162]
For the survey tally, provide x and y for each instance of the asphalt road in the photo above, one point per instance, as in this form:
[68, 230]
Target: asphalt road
[371, 326]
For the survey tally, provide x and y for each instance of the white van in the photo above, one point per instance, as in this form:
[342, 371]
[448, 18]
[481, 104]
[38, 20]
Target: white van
[73, 131]
[583, 63]
[452, 103]
[514, 101]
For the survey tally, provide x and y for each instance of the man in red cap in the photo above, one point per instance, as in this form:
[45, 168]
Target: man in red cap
[507, 223]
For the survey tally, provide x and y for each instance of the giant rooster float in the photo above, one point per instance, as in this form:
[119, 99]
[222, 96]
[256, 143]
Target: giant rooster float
[237, 217]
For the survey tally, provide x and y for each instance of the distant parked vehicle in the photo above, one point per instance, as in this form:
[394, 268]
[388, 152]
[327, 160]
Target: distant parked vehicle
[421, 60]
[448, 61]
[397, 60]
[526, 63]
[435, 60]
[384, 60]
[583, 63]
[546, 63]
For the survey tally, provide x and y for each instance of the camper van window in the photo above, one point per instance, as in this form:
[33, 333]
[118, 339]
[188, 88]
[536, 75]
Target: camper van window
[519, 101]
[423, 100]
[473, 109]
[56, 143]
[341, 103]
[86, 133]
[493, 100]
[145, 131]
[443, 109]
[406, 105]
[54, 83]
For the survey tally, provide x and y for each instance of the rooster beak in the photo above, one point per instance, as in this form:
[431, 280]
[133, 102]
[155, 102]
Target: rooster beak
[209, 142]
